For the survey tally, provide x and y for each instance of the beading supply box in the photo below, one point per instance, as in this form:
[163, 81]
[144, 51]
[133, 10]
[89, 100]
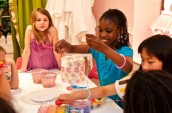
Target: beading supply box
[73, 69]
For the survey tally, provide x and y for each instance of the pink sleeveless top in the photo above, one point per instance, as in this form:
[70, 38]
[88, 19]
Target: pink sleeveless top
[42, 56]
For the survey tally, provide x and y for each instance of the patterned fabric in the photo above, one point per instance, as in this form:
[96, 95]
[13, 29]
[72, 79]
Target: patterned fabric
[120, 85]
[42, 55]
[73, 69]
[93, 73]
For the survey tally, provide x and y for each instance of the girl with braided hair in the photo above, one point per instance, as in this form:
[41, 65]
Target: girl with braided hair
[155, 51]
[110, 48]
[149, 92]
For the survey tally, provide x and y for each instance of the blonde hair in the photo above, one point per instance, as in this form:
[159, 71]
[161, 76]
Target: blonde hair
[40, 34]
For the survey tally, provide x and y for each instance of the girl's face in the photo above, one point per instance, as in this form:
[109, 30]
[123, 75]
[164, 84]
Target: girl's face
[108, 32]
[42, 22]
[150, 62]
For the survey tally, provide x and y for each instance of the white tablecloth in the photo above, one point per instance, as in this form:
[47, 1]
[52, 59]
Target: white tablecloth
[26, 86]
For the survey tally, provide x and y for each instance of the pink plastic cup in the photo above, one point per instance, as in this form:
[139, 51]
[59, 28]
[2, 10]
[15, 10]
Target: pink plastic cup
[48, 79]
[37, 75]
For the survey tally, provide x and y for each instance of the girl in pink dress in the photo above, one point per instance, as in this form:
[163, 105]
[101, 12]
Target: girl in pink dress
[40, 38]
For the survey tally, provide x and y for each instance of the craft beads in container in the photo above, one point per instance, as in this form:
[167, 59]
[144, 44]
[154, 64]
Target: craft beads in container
[95, 103]
[43, 108]
[37, 74]
[48, 79]
[79, 106]
[50, 108]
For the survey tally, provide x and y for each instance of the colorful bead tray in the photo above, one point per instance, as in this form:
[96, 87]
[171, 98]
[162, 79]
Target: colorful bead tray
[95, 103]
[79, 106]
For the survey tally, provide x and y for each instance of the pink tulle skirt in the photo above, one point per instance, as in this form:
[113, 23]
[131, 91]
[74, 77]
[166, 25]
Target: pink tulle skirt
[163, 24]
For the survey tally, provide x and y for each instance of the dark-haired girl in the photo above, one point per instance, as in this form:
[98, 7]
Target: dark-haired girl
[110, 48]
[149, 92]
[156, 52]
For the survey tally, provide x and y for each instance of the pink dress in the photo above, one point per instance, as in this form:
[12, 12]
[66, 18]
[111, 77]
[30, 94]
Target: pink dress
[41, 56]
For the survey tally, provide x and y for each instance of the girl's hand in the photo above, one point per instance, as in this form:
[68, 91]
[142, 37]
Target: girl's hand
[9, 61]
[62, 46]
[95, 42]
[65, 99]
[22, 70]
[1, 68]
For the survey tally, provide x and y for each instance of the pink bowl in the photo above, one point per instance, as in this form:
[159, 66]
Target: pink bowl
[48, 79]
[37, 74]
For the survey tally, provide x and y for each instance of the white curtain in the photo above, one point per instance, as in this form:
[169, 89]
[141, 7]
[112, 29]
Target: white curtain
[72, 18]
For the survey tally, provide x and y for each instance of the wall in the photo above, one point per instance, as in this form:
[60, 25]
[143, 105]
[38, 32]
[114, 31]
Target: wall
[100, 6]
[140, 14]
[145, 12]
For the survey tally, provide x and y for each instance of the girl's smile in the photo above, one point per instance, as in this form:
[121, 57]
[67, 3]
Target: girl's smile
[108, 32]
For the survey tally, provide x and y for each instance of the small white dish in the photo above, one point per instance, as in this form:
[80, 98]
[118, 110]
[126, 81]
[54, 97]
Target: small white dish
[42, 96]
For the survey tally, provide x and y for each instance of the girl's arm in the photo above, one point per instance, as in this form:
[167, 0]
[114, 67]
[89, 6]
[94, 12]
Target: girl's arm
[118, 59]
[4, 86]
[14, 80]
[55, 39]
[97, 92]
[63, 46]
[96, 43]
[26, 51]
[80, 49]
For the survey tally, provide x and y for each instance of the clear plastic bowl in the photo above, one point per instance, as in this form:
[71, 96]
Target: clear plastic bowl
[48, 79]
[37, 75]
[79, 106]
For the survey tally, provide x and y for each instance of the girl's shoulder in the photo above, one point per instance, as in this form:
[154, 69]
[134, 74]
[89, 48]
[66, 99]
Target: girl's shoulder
[29, 27]
[124, 48]
[30, 31]
[52, 29]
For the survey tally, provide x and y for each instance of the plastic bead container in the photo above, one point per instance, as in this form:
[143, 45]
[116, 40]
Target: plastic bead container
[48, 79]
[79, 106]
[50, 108]
[37, 74]
[73, 69]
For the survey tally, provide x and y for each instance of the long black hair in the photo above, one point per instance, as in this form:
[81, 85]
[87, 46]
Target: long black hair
[149, 92]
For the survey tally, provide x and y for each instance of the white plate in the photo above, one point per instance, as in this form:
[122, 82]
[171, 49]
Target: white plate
[42, 96]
